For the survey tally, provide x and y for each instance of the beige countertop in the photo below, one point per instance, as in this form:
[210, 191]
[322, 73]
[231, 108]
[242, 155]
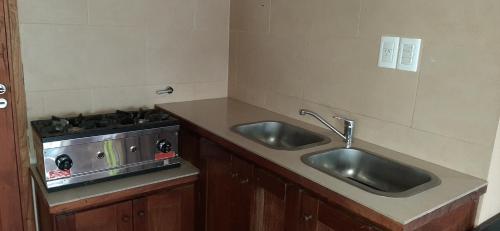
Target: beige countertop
[219, 115]
[113, 186]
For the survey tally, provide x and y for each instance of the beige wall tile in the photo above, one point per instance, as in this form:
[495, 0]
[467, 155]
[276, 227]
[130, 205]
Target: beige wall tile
[210, 60]
[117, 12]
[458, 94]
[163, 37]
[291, 17]
[117, 56]
[209, 90]
[53, 11]
[110, 99]
[233, 58]
[250, 15]
[284, 63]
[68, 102]
[123, 53]
[54, 56]
[212, 15]
[169, 66]
[283, 104]
[412, 18]
[174, 14]
[35, 105]
[335, 18]
[342, 73]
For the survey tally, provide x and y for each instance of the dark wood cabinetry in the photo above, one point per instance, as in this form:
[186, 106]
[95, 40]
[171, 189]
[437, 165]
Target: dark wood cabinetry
[242, 191]
[316, 215]
[116, 217]
[168, 205]
[270, 201]
[169, 210]
[228, 189]
[238, 195]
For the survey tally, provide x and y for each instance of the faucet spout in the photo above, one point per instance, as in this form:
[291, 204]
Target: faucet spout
[347, 136]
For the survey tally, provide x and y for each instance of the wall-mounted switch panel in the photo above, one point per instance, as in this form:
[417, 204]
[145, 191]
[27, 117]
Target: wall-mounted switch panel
[388, 55]
[409, 53]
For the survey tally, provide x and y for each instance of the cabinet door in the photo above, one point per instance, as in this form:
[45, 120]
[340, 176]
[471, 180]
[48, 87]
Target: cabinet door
[242, 196]
[218, 186]
[116, 217]
[228, 189]
[308, 218]
[331, 217]
[270, 202]
[171, 210]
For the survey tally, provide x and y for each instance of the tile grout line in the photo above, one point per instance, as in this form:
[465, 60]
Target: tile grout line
[419, 75]
[358, 31]
[88, 12]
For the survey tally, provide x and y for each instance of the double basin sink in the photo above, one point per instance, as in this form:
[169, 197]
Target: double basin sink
[363, 169]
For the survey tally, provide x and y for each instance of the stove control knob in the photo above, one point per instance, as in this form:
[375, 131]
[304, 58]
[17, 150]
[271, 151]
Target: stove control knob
[163, 146]
[64, 162]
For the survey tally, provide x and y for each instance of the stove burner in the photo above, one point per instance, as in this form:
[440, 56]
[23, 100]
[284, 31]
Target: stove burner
[120, 119]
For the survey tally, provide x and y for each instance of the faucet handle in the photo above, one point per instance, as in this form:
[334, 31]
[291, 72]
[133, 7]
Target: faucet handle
[350, 122]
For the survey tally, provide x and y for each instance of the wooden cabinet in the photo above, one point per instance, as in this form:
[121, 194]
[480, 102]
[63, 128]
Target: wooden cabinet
[242, 191]
[165, 210]
[168, 211]
[270, 202]
[238, 196]
[316, 215]
[228, 189]
[217, 188]
[116, 217]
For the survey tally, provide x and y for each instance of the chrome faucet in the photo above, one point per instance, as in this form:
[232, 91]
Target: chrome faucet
[348, 126]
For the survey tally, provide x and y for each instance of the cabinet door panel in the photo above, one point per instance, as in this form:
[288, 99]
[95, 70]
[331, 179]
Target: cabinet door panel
[117, 217]
[269, 212]
[242, 194]
[171, 210]
[335, 218]
[218, 186]
[270, 202]
[309, 213]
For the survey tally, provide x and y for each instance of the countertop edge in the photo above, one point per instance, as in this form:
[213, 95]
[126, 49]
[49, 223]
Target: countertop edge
[187, 175]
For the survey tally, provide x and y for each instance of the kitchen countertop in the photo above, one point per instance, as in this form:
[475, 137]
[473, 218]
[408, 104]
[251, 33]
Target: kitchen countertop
[219, 115]
[85, 192]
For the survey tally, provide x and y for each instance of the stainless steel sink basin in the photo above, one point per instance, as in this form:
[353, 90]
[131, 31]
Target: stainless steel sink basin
[372, 173]
[280, 135]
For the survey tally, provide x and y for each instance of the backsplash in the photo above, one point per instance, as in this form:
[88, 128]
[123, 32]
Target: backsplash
[90, 56]
[322, 55]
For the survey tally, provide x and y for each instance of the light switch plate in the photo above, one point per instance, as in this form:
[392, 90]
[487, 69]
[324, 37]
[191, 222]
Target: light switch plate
[388, 54]
[409, 54]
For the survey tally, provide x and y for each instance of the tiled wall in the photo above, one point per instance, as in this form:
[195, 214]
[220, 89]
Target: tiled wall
[322, 55]
[90, 56]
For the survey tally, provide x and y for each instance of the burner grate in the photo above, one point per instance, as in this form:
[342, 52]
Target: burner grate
[80, 124]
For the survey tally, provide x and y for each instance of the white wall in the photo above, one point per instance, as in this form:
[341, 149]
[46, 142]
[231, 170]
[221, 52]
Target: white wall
[91, 56]
[490, 204]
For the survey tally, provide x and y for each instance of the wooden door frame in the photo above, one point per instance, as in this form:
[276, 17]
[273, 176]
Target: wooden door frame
[18, 103]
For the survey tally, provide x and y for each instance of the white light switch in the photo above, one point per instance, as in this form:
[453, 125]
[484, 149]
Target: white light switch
[388, 54]
[409, 53]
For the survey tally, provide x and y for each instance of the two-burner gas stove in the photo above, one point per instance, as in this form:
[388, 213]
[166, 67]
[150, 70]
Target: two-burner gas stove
[85, 149]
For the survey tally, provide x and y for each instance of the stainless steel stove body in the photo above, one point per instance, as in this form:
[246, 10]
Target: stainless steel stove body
[78, 158]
